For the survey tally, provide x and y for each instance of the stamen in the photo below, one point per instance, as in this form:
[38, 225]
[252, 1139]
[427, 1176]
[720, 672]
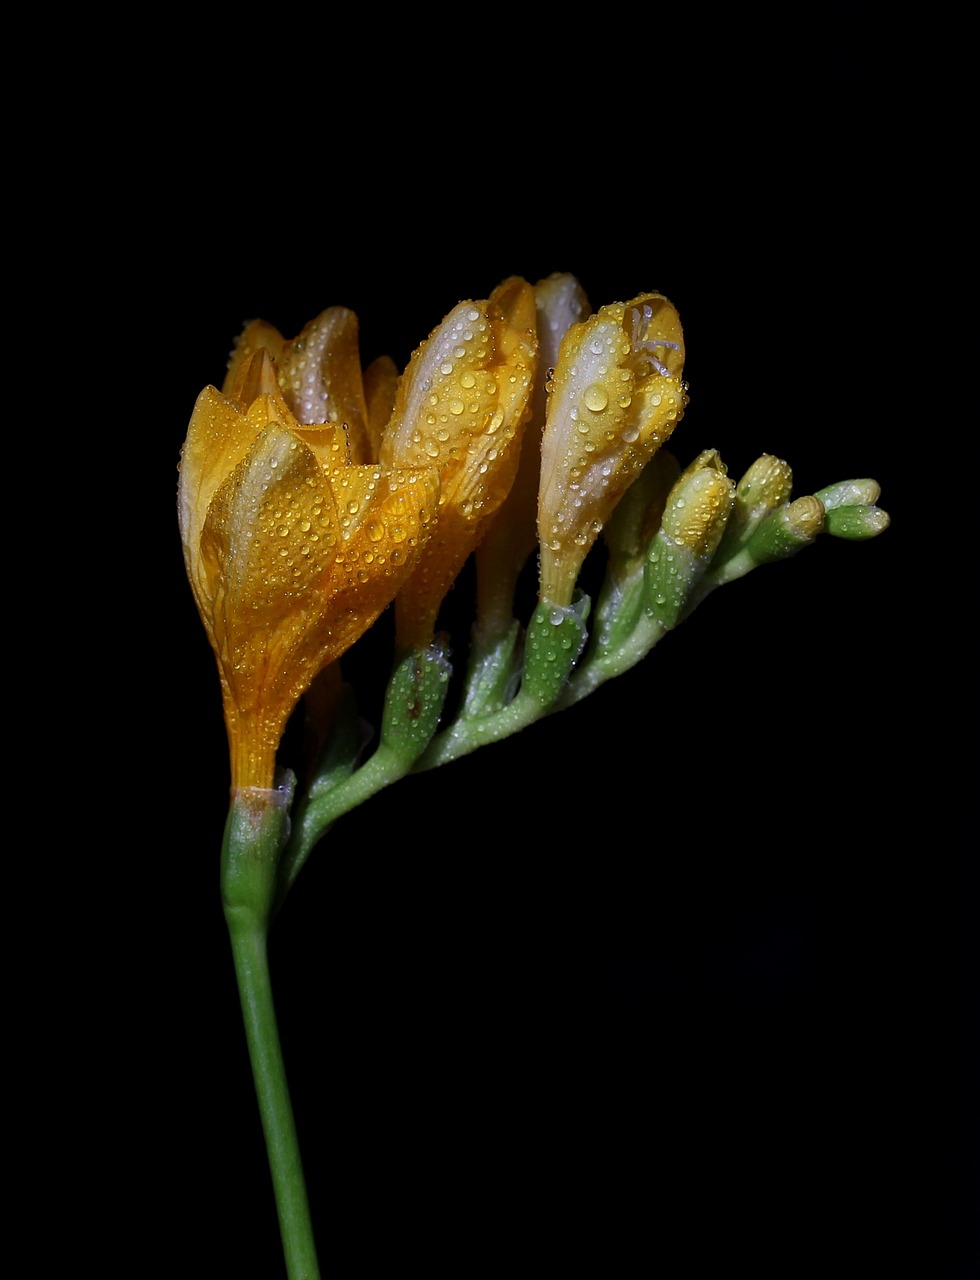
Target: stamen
[640, 321]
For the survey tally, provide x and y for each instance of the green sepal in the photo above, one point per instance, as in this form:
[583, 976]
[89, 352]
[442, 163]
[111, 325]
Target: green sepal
[670, 574]
[256, 830]
[856, 523]
[618, 609]
[555, 639]
[413, 703]
[494, 671]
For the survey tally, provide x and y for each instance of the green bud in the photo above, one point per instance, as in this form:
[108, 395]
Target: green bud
[765, 486]
[857, 523]
[849, 493]
[494, 671]
[555, 639]
[787, 530]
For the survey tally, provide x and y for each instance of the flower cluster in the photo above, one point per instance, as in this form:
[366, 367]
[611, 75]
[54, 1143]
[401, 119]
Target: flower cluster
[313, 493]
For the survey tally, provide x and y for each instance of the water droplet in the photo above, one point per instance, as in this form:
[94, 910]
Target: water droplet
[595, 398]
[456, 407]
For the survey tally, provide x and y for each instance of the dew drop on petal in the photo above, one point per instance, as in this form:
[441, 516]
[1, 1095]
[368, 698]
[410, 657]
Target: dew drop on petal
[595, 398]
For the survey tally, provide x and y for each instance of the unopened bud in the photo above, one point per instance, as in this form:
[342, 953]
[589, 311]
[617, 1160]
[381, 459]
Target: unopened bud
[694, 521]
[787, 530]
[699, 506]
[849, 493]
[766, 485]
[857, 523]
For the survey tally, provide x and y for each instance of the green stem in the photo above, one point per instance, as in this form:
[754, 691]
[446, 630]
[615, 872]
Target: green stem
[248, 945]
[254, 837]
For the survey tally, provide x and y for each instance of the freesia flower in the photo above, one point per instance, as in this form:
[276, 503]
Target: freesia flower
[616, 395]
[291, 547]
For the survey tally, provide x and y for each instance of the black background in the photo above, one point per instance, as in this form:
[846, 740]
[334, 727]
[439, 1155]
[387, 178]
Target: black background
[678, 979]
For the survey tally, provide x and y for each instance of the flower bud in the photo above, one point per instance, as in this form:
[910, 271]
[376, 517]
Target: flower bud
[693, 523]
[616, 396]
[766, 485]
[787, 530]
[511, 538]
[857, 523]
[698, 506]
[849, 493]
[460, 407]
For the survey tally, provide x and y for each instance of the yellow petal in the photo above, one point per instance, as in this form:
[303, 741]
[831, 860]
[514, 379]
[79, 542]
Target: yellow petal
[320, 374]
[258, 335]
[460, 406]
[617, 394]
[560, 301]
[299, 562]
[219, 436]
[380, 389]
[292, 550]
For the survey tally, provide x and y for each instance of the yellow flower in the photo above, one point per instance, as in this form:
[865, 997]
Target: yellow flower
[292, 546]
[461, 406]
[616, 395]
